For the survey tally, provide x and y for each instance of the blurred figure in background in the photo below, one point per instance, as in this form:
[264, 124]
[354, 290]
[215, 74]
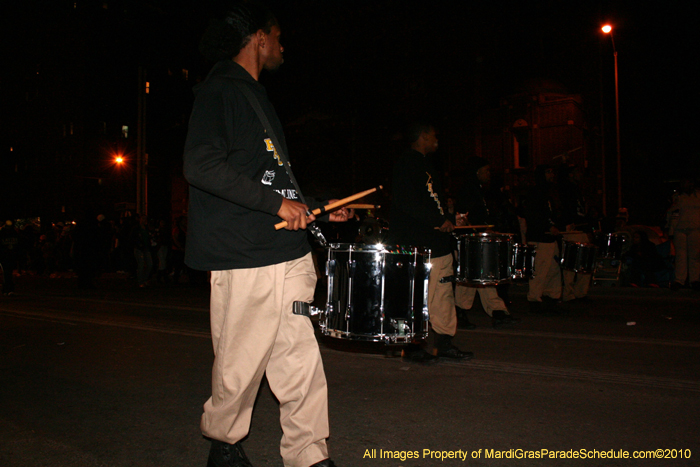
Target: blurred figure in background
[472, 201]
[178, 242]
[543, 232]
[643, 261]
[141, 240]
[683, 227]
[9, 253]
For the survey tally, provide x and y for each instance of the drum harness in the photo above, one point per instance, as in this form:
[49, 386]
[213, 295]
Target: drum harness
[299, 307]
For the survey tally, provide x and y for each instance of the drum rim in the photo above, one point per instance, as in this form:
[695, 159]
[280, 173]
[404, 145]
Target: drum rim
[586, 244]
[486, 236]
[388, 339]
[379, 248]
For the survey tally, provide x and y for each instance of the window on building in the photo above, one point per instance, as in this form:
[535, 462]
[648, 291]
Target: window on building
[125, 131]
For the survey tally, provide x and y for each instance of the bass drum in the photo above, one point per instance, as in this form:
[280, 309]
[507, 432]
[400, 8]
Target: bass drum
[484, 258]
[377, 293]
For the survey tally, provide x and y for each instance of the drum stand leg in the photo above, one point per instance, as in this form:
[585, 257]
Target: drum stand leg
[611, 275]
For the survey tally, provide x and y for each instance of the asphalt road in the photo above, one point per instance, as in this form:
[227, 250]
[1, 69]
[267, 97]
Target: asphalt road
[117, 377]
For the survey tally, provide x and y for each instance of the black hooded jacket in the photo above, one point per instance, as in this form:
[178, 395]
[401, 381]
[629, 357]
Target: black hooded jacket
[471, 198]
[237, 181]
[417, 205]
[539, 212]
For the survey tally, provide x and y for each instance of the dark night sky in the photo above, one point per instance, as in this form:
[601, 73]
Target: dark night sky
[504, 43]
[378, 61]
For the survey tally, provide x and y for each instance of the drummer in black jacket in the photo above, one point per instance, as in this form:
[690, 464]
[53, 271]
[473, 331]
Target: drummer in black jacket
[574, 217]
[472, 201]
[542, 231]
[419, 218]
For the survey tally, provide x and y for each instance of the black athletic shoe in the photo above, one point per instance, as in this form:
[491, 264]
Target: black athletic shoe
[463, 320]
[416, 354]
[501, 319]
[454, 353]
[227, 455]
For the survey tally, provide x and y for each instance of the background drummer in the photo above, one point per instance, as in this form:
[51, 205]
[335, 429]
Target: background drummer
[542, 231]
[574, 216]
[472, 200]
[419, 218]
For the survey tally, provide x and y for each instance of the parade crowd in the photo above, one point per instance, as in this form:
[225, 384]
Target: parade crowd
[151, 250]
[148, 251]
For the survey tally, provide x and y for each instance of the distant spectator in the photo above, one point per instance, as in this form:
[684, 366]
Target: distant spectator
[683, 225]
[9, 254]
[140, 239]
[63, 247]
[161, 237]
[643, 261]
[179, 240]
[105, 233]
[123, 245]
[86, 251]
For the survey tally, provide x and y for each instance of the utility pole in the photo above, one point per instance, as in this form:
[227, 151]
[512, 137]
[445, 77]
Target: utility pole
[141, 155]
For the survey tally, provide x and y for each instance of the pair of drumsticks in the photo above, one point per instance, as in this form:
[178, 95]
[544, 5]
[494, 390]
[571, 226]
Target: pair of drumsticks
[350, 199]
[340, 203]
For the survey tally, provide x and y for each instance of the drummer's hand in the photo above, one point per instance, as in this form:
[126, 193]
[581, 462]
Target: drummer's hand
[295, 214]
[571, 227]
[461, 219]
[447, 226]
[553, 230]
[341, 215]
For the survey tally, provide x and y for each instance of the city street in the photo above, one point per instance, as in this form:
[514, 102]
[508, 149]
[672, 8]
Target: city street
[117, 376]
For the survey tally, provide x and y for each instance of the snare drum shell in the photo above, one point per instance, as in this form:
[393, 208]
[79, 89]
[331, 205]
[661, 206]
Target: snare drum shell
[522, 261]
[377, 293]
[611, 246]
[578, 257]
[484, 258]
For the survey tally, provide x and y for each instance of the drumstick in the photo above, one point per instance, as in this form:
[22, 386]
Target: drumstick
[470, 227]
[337, 204]
[363, 206]
[474, 226]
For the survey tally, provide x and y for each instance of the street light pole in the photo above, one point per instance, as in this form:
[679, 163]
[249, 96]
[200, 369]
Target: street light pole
[607, 29]
[141, 155]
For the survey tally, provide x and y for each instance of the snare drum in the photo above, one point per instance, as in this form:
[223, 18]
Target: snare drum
[578, 257]
[376, 293]
[522, 261]
[484, 258]
[611, 246]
